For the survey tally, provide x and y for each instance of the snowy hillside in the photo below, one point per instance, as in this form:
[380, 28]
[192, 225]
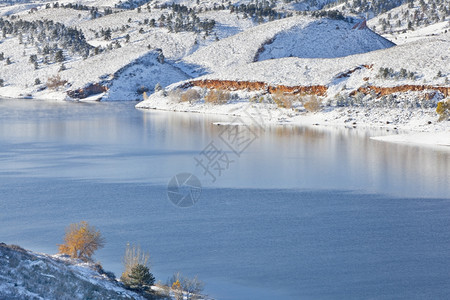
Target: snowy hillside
[413, 21]
[424, 58]
[142, 75]
[400, 19]
[324, 39]
[28, 275]
[305, 37]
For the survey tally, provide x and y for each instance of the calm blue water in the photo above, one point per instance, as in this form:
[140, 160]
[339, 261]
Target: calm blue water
[303, 213]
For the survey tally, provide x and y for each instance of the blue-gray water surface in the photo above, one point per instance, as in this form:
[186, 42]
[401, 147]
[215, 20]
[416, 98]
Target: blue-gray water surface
[301, 213]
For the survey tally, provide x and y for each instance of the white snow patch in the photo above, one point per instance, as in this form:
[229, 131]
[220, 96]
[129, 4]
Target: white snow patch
[419, 138]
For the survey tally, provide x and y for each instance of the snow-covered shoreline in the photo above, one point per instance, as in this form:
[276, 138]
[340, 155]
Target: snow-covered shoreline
[429, 139]
[418, 126]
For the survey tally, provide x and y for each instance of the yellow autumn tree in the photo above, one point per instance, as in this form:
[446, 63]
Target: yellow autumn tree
[81, 240]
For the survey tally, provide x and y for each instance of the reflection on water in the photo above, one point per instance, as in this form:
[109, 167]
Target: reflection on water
[317, 212]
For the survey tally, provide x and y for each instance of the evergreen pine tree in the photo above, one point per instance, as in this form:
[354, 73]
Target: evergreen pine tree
[140, 276]
[59, 57]
[107, 34]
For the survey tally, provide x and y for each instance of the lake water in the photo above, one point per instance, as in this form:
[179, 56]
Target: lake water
[302, 213]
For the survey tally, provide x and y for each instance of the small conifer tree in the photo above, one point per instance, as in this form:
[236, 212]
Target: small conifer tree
[140, 277]
[59, 57]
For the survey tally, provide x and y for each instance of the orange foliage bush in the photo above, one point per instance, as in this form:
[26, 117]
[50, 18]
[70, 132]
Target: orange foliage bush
[81, 241]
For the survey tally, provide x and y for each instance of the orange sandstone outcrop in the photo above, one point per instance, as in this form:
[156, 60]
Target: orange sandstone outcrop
[319, 90]
[231, 85]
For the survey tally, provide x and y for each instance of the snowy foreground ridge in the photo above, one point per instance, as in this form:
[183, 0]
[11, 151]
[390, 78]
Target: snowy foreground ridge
[28, 275]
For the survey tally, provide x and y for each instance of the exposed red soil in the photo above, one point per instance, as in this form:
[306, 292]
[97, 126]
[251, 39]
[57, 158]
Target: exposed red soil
[231, 85]
[319, 90]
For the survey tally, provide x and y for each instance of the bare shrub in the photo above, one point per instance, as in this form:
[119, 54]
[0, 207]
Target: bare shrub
[312, 104]
[55, 82]
[190, 96]
[217, 97]
[175, 94]
[163, 290]
[443, 110]
[191, 286]
[284, 100]
[257, 99]
[134, 256]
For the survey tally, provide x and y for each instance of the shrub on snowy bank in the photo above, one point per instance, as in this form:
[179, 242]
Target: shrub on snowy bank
[310, 102]
[55, 82]
[443, 110]
[284, 100]
[190, 96]
[181, 287]
[217, 97]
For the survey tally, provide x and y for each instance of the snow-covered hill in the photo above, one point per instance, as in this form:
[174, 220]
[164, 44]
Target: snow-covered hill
[324, 39]
[399, 19]
[413, 21]
[424, 58]
[304, 37]
[28, 275]
[142, 75]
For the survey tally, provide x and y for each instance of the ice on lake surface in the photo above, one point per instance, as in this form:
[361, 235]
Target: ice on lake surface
[310, 213]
